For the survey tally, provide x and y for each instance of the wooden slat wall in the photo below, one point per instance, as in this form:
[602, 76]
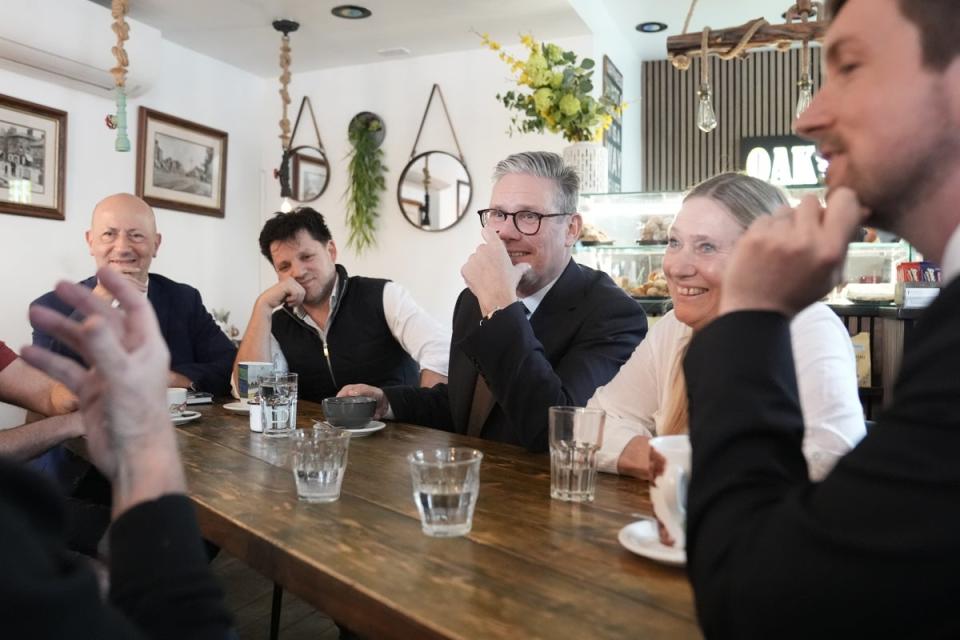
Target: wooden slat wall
[755, 96]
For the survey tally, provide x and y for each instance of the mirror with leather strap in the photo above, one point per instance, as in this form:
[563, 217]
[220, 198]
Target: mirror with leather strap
[435, 188]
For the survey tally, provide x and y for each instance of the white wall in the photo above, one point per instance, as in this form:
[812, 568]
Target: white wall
[608, 40]
[197, 249]
[426, 263]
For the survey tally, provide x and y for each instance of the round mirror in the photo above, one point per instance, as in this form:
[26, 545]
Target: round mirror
[434, 191]
[309, 173]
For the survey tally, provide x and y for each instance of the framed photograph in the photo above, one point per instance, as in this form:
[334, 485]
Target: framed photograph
[180, 164]
[33, 159]
[310, 175]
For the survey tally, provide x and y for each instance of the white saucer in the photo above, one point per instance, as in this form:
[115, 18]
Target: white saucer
[239, 406]
[641, 537]
[185, 417]
[372, 426]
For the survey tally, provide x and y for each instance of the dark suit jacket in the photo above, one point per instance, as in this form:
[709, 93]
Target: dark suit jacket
[581, 334]
[198, 348]
[873, 550]
[161, 586]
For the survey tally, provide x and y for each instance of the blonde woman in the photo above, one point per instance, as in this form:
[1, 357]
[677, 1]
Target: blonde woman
[648, 396]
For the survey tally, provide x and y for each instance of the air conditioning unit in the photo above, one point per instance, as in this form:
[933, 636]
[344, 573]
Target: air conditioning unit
[73, 47]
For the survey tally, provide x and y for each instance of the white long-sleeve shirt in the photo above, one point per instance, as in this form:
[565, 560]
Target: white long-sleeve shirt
[826, 379]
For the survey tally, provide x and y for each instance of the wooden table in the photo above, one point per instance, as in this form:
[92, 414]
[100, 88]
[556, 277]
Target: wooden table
[531, 568]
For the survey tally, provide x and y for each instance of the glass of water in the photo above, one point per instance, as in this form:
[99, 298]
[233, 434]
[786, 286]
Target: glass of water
[445, 487]
[276, 403]
[576, 434]
[291, 380]
[319, 463]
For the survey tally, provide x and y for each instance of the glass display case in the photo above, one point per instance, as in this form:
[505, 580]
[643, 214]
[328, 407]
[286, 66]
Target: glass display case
[625, 235]
[870, 272]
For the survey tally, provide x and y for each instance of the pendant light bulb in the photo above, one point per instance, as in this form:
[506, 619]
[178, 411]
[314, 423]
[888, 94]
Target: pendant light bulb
[286, 206]
[706, 116]
[806, 94]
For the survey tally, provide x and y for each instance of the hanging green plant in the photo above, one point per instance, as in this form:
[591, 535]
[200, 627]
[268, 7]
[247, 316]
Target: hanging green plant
[367, 179]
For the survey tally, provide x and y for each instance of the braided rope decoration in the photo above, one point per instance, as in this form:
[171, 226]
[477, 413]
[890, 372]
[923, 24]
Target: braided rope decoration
[122, 29]
[118, 9]
[285, 59]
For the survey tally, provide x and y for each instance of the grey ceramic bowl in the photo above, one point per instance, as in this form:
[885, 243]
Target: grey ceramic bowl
[349, 412]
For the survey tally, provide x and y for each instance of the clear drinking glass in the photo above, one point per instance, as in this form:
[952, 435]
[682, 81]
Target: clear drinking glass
[575, 437]
[275, 407]
[446, 483]
[291, 380]
[319, 463]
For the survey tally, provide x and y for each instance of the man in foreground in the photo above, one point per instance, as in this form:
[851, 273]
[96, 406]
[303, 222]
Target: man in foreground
[160, 584]
[874, 549]
[533, 329]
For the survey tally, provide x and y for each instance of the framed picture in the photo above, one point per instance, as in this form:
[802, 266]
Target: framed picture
[180, 164]
[613, 137]
[309, 177]
[33, 159]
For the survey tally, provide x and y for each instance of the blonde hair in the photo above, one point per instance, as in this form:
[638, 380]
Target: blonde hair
[745, 198]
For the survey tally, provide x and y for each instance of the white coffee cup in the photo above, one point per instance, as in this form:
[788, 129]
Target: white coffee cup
[176, 401]
[668, 485]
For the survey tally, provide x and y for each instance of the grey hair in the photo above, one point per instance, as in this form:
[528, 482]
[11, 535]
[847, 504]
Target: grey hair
[745, 197]
[543, 164]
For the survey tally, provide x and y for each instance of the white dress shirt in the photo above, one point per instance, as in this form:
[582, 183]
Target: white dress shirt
[826, 378]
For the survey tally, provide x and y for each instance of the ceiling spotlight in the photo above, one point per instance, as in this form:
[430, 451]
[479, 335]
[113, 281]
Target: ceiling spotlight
[351, 12]
[651, 27]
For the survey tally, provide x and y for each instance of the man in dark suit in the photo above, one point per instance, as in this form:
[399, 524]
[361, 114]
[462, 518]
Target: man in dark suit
[506, 369]
[874, 549]
[123, 236]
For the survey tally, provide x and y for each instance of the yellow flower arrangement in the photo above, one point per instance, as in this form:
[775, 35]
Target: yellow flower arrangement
[554, 93]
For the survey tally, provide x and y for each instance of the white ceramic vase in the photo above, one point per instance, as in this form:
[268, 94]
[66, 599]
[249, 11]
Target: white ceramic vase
[590, 160]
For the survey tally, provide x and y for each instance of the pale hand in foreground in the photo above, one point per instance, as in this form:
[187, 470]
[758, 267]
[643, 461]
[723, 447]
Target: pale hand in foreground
[122, 396]
[376, 393]
[788, 261]
[491, 276]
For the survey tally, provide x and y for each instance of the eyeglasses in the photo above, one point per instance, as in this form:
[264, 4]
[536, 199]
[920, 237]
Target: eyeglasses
[526, 222]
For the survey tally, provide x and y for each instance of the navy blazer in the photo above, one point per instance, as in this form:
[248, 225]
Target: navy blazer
[198, 348]
[581, 334]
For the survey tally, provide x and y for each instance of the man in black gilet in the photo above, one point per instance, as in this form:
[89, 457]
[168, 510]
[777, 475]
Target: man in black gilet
[333, 329]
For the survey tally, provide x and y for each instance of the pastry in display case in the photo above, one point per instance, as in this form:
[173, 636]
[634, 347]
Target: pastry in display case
[653, 229]
[592, 235]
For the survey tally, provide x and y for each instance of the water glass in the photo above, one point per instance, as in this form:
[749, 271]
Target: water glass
[291, 380]
[575, 437]
[319, 463]
[446, 483]
[275, 406]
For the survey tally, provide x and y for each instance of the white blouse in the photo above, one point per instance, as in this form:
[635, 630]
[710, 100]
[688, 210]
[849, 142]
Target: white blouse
[826, 379]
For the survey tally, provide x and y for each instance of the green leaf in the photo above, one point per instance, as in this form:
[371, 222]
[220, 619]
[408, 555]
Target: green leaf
[586, 63]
